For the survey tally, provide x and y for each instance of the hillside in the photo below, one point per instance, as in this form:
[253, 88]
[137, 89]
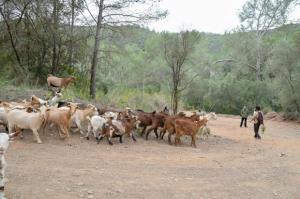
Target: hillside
[133, 72]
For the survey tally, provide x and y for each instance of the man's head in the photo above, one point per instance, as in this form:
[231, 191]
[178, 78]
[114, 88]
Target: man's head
[257, 108]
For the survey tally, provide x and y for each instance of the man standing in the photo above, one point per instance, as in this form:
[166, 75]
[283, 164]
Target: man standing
[244, 115]
[258, 119]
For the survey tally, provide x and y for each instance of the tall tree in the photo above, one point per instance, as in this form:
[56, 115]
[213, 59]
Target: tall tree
[119, 12]
[283, 70]
[260, 16]
[96, 50]
[177, 48]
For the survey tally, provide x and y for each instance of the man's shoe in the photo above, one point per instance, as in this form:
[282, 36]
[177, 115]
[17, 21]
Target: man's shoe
[258, 137]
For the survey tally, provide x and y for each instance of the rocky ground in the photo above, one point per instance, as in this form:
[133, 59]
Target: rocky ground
[229, 164]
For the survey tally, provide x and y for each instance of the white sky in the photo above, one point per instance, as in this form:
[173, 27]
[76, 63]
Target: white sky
[216, 16]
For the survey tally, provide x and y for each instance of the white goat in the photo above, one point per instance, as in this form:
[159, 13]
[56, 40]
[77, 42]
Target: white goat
[21, 119]
[95, 124]
[3, 117]
[55, 99]
[4, 142]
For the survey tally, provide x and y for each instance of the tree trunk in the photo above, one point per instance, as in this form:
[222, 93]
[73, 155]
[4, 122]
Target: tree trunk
[13, 45]
[28, 43]
[258, 66]
[175, 91]
[258, 57]
[96, 52]
[70, 59]
[175, 101]
[54, 37]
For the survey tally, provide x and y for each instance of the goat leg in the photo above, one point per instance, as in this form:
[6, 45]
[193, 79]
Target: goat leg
[132, 136]
[109, 140]
[143, 131]
[169, 138]
[79, 127]
[66, 130]
[177, 139]
[62, 133]
[148, 132]
[36, 134]
[155, 131]
[194, 141]
[162, 133]
[99, 138]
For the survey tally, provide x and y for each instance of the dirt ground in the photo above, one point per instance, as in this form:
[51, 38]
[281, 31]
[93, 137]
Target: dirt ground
[229, 164]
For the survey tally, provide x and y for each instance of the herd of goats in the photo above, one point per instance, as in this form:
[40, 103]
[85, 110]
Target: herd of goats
[36, 114]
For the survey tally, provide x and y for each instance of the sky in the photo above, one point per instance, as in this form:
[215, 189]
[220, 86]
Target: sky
[216, 16]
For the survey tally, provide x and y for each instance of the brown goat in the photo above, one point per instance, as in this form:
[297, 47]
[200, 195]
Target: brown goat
[61, 118]
[145, 120]
[187, 127]
[158, 120]
[60, 82]
[170, 124]
[116, 128]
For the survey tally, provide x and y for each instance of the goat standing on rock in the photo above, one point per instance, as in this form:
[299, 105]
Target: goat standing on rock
[59, 82]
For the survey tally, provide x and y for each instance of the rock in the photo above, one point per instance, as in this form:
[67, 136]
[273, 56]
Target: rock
[90, 192]
[119, 191]
[282, 154]
[68, 189]
[90, 197]
[80, 184]
[271, 115]
[275, 193]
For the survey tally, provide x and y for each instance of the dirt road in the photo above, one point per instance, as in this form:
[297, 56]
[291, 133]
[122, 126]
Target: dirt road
[230, 164]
